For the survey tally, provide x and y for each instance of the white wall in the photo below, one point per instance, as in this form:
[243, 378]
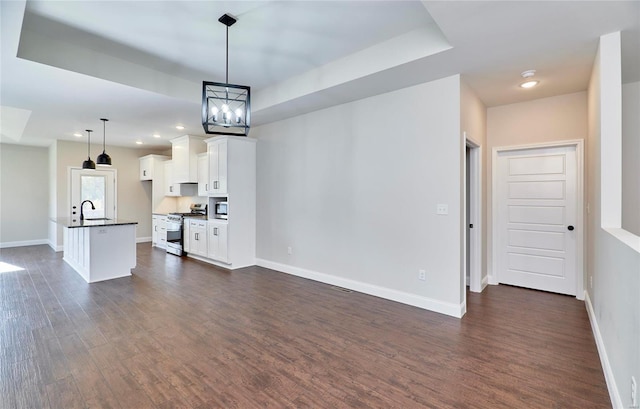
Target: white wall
[558, 118]
[53, 205]
[353, 189]
[630, 155]
[134, 196]
[473, 121]
[613, 256]
[24, 195]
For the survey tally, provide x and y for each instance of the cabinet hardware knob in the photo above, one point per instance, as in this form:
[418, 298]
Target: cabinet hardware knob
[570, 228]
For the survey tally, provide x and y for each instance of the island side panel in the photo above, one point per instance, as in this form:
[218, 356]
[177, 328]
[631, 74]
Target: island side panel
[113, 252]
[76, 254]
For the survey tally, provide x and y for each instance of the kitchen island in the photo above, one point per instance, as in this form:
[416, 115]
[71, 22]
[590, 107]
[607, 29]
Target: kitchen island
[99, 249]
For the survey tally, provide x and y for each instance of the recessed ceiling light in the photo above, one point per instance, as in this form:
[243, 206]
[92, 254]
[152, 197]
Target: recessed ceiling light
[155, 135]
[77, 135]
[529, 84]
[527, 75]
[179, 127]
[138, 142]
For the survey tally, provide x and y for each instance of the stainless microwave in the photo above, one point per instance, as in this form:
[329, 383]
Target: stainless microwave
[221, 210]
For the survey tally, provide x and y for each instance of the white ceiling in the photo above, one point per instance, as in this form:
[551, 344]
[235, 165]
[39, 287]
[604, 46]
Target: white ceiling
[65, 64]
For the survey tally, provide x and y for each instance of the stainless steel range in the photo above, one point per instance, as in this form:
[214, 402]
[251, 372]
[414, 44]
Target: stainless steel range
[175, 221]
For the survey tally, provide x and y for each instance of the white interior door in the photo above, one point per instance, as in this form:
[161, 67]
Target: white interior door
[99, 186]
[537, 223]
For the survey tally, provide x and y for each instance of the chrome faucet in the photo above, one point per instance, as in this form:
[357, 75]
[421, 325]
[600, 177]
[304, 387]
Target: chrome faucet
[81, 208]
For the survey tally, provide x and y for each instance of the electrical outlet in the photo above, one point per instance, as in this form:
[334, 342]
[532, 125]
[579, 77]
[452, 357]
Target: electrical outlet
[289, 250]
[422, 275]
[634, 392]
[442, 209]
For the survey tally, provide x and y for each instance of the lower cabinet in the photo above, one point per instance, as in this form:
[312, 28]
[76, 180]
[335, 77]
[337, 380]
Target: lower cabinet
[198, 237]
[186, 236]
[207, 238]
[159, 231]
[218, 244]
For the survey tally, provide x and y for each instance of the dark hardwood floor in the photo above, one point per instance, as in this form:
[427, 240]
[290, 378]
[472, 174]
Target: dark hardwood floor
[183, 334]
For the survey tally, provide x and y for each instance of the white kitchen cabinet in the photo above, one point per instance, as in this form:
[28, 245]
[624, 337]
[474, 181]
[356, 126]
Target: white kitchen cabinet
[186, 236]
[159, 231]
[184, 155]
[168, 179]
[198, 237]
[152, 171]
[172, 188]
[218, 240]
[154, 230]
[150, 167]
[217, 153]
[203, 174]
[232, 163]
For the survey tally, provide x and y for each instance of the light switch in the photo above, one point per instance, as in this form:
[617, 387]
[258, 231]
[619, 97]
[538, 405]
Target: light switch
[442, 209]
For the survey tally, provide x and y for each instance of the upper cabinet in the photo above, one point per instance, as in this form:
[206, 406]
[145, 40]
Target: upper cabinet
[231, 164]
[217, 152]
[184, 151]
[176, 189]
[151, 167]
[203, 174]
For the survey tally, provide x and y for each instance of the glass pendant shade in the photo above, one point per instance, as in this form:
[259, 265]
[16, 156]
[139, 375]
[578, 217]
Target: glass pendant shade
[88, 164]
[103, 159]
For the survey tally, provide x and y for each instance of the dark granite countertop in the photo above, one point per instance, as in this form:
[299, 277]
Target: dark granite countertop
[74, 223]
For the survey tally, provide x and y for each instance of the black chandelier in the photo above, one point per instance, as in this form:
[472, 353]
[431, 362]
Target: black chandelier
[226, 108]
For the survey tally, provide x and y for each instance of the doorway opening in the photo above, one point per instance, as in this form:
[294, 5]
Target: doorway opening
[472, 221]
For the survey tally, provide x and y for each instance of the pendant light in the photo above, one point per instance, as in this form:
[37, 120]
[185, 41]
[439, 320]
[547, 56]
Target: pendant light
[226, 108]
[103, 159]
[88, 164]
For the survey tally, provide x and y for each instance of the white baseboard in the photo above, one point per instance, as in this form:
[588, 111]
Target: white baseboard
[143, 239]
[492, 280]
[616, 400]
[453, 310]
[9, 244]
[484, 283]
[55, 248]
[218, 263]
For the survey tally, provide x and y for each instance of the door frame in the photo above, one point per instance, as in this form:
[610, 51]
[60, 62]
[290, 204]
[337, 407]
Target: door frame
[70, 170]
[580, 238]
[475, 211]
